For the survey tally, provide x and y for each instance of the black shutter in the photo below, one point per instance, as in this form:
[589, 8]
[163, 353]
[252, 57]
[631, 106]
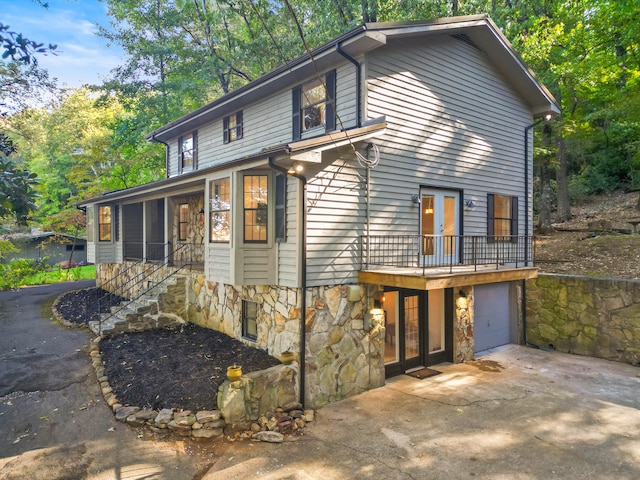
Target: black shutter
[490, 218]
[225, 130]
[514, 219]
[281, 207]
[180, 159]
[194, 153]
[330, 82]
[295, 114]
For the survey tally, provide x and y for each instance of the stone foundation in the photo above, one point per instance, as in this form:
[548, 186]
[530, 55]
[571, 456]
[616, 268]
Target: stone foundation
[585, 316]
[344, 349]
[463, 325]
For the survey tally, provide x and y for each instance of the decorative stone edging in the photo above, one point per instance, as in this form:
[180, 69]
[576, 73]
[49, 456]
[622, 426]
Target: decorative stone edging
[205, 424]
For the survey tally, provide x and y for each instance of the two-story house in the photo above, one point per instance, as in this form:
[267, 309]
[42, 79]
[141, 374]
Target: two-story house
[368, 206]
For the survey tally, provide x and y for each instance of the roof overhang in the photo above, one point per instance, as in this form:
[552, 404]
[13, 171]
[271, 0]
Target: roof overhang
[480, 29]
[302, 151]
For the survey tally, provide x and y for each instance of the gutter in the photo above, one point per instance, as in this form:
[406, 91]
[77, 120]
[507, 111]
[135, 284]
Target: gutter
[358, 83]
[303, 280]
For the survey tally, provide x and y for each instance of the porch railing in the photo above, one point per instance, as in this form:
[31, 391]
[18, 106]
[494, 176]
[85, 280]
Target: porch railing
[448, 251]
[191, 254]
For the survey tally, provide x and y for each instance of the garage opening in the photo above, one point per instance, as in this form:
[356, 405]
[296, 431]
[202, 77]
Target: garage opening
[494, 316]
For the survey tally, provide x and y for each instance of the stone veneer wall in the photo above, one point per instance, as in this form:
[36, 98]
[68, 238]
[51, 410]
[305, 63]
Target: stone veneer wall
[463, 325]
[344, 356]
[586, 316]
[195, 229]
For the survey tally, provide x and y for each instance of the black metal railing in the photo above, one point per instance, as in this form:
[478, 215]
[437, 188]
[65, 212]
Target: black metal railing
[437, 251]
[182, 257]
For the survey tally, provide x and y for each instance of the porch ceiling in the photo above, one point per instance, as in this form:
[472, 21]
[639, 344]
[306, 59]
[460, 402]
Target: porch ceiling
[437, 278]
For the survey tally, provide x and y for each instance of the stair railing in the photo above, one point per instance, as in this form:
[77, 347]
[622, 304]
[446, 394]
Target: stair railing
[134, 287]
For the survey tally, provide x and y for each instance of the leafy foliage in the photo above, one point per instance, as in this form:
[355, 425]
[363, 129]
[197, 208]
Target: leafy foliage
[17, 195]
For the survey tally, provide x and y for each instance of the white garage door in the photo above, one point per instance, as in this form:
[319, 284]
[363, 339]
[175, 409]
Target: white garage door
[492, 323]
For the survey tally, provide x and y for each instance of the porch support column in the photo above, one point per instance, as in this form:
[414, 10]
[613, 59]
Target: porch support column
[144, 231]
[167, 229]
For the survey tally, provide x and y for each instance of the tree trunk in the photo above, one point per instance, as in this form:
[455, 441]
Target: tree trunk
[544, 216]
[562, 182]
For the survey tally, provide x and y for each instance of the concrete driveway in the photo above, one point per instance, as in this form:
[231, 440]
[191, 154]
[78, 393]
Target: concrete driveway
[517, 413]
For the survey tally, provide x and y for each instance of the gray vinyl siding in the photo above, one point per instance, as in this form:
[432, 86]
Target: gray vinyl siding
[258, 266]
[218, 264]
[453, 122]
[335, 222]
[91, 252]
[346, 95]
[265, 123]
[289, 251]
[105, 252]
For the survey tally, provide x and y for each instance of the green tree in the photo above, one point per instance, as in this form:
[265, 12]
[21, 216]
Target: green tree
[17, 195]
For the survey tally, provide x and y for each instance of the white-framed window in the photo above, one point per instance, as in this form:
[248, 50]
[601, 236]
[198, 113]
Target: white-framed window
[220, 210]
[188, 152]
[255, 193]
[104, 223]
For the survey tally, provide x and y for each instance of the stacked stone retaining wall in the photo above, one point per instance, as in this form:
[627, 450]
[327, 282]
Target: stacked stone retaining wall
[586, 316]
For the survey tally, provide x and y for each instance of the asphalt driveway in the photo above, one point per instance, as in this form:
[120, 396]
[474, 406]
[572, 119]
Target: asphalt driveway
[54, 423]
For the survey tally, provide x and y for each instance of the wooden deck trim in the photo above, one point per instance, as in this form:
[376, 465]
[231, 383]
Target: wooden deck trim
[439, 280]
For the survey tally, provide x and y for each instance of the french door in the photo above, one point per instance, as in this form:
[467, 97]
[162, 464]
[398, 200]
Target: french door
[418, 329]
[439, 226]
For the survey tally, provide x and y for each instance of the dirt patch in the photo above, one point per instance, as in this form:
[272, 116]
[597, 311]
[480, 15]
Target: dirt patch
[180, 368]
[596, 242]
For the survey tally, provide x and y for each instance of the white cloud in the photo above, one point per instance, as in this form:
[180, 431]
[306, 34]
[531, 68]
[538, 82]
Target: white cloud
[81, 56]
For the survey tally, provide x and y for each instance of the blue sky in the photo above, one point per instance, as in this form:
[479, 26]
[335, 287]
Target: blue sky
[82, 57]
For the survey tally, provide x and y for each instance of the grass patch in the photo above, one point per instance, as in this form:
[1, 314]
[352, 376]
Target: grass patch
[58, 275]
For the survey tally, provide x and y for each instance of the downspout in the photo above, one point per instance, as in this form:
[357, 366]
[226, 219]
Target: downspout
[303, 280]
[166, 155]
[526, 230]
[358, 82]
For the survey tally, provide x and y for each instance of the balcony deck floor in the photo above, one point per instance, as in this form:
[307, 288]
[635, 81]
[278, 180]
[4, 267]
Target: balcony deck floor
[444, 277]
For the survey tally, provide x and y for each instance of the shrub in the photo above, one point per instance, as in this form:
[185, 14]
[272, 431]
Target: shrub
[12, 274]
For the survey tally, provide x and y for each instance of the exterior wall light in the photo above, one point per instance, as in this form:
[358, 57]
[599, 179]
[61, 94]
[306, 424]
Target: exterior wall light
[470, 204]
[415, 199]
[295, 168]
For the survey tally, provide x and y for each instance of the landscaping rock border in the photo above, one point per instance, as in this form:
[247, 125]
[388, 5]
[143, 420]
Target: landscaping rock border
[273, 427]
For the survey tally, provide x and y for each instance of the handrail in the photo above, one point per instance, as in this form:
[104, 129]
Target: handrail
[133, 284]
[449, 251]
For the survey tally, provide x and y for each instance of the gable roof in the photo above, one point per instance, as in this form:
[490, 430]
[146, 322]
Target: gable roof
[478, 30]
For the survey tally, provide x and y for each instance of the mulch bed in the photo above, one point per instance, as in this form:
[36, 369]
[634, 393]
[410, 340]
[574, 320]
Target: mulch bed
[83, 306]
[165, 368]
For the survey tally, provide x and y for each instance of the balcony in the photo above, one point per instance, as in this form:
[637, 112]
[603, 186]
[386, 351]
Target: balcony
[439, 261]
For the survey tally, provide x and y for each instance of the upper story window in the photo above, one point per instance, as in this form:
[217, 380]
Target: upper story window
[255, 210]
[232, 128]
[220, 210]
[188, 152]
[183, 221]
[502, 217]
[104, 223]
[314, 105]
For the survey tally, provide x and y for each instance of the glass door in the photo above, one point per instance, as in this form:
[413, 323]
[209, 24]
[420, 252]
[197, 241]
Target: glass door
[405, 327]
[439, 227]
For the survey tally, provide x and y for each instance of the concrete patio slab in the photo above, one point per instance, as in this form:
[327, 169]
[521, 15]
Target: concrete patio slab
[515, 413]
